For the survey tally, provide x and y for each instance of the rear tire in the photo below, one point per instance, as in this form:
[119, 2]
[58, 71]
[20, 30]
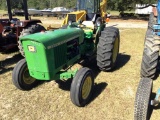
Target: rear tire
[30, 29]
[150, 57]
[149, 33]
[113, 29]
[142, 101]
[108, 48]
[152, 21]
[21, 77]
[81, 87]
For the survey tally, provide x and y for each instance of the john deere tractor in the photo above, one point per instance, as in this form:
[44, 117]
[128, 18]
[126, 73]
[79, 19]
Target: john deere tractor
[49, 55]
[149, 65]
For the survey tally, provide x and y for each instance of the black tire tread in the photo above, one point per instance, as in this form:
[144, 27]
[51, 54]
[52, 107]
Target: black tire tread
[152, 20]
[142, 100]
[76, 85]
[105, 48]
[15, 71]
[150, 57]
[16, 76]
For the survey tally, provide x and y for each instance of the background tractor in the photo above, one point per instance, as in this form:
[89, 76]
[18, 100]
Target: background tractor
[49, 55]
[149, 67]
[88, 10]
[12, 28]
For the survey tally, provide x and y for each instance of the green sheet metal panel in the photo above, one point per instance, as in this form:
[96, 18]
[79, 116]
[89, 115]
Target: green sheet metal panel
[46, 52]
[52, 39]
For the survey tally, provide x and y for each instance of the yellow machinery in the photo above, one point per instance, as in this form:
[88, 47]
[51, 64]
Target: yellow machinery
[87, 10]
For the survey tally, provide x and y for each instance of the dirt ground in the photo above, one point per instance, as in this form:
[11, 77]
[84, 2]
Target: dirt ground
[128, 23]
[114, 92]
[121, 23]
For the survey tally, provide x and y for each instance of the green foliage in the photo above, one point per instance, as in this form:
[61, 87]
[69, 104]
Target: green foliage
[120, 5]
[39, 4]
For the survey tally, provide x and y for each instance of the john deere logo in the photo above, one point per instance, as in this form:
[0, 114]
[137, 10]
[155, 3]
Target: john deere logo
[31, 48]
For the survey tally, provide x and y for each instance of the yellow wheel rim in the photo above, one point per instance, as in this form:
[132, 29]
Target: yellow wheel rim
[115, 50]
[27, 78]
[86, 89]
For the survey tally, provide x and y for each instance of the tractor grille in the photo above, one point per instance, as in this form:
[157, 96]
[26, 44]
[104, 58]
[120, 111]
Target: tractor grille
[72, 17]
[60, 55]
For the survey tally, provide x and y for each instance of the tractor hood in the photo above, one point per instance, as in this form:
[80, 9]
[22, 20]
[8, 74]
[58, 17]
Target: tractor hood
[51, 39]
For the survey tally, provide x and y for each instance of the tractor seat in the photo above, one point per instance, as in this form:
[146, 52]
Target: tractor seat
[91, 17]
[88, 24]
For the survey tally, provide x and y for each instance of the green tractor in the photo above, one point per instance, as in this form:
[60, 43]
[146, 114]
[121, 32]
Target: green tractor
[49, 55]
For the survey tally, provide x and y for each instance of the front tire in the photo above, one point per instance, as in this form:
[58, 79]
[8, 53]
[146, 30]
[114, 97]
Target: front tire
[143, 99]
[149, 33]
[108, 48]
[152, 21]
[21, 77]
[81, 87]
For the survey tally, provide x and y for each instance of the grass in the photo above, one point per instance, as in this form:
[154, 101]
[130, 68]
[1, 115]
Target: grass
[113, 97]
[114, 13]
[3, 12]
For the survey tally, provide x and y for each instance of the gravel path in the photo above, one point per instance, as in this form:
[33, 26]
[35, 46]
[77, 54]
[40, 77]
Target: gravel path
[120, 23]
[128, 23]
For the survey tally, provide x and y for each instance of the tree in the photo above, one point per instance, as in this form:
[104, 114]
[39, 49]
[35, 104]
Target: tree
[120, 5]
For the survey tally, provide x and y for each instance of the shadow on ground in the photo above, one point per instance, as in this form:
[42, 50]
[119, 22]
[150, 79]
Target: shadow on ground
[157, 71]
[156, 107]
[128, 17]
[151, 108]
[5, 64]
[98, 88]
[122, 59]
